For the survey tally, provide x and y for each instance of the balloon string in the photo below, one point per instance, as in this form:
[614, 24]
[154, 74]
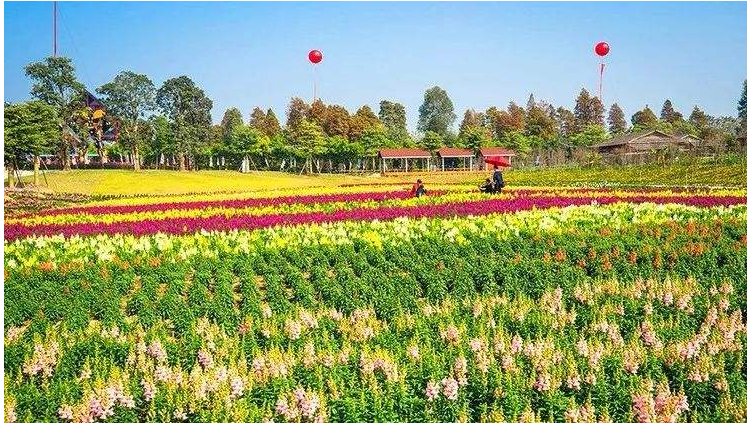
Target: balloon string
[601, 77]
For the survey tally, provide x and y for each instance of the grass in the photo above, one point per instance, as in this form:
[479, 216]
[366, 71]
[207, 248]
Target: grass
[730, 174]
[128, 183]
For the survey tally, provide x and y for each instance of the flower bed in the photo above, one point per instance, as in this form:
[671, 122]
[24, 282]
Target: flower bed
[535, 305]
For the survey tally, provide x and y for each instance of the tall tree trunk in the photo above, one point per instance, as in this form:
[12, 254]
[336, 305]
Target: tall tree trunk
[11, 177]
[136, 159]
[37, 161]
[102, 154]
[181, 157]
[65, 159]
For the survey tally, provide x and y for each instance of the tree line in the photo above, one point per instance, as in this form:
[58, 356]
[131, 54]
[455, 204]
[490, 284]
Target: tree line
[172, 125]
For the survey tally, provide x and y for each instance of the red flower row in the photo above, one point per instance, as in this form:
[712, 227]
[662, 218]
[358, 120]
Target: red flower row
[248, 222]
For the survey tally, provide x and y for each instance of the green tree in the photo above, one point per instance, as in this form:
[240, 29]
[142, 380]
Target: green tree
[645, 119]
[247, 142]
[130, 97]
[309, 139]
[431, 141]
[540, 125]
[616, 120]
[436, 112]
[475, 138]
[374, 139]
[393, 117]
[531, 103]
[54, 82]
[232, 120]
[189, 111]
[582, 110]
[698, 118]
[742, 111]
[163, 141]
[566, 122]
[591, 134]
[668, 113]
[30, 129]
[340, 150]
[516, 141]
[490, 121]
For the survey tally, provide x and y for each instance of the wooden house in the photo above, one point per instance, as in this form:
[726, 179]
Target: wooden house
[645, 142]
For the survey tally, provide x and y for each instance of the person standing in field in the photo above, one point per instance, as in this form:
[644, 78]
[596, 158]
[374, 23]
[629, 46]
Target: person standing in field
[497, 179]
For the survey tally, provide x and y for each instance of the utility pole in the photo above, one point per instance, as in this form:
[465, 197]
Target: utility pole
[54, 29]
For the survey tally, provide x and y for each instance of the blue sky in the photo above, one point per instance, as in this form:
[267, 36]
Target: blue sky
[483, 54]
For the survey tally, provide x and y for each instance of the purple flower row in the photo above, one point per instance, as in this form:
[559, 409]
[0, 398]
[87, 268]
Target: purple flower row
[232, 203]
[249, 222]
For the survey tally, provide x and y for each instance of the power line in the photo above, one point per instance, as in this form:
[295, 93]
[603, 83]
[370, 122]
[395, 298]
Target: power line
[75, 46]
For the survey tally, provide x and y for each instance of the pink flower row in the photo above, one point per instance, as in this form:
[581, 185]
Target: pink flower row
[248, 222]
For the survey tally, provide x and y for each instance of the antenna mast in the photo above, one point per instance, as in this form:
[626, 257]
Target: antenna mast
[54, 29]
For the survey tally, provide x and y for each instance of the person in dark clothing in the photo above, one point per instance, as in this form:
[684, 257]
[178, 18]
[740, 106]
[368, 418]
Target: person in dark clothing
[487, 187]
[497, 178]
[417, 190]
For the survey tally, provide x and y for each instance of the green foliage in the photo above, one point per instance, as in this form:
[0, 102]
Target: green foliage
[474, 138]
[308, 139]
[668, 113]
[54, 82]
[540, 126]
[189, 111]
[516, 141]
[436, 113]
[588, 110]
[616, 120]
[644, 118]
[130, 97]
[373, 139]
[393, 117]
[431, 141]
[591, 134]
[30, 129]
[248, 141]
[742, 103]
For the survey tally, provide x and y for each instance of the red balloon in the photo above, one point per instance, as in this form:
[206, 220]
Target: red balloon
[602, 48]
[315, 56]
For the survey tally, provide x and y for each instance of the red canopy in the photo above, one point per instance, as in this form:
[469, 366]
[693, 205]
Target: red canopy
[497, 161]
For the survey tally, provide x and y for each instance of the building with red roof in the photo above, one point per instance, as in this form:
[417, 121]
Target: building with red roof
[456, 156]
[403, 156]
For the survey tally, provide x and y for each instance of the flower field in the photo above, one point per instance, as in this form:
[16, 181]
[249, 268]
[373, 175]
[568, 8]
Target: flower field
[360, 304]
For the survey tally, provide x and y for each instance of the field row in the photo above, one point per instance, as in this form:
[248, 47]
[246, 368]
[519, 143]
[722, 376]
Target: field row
[189, 217]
